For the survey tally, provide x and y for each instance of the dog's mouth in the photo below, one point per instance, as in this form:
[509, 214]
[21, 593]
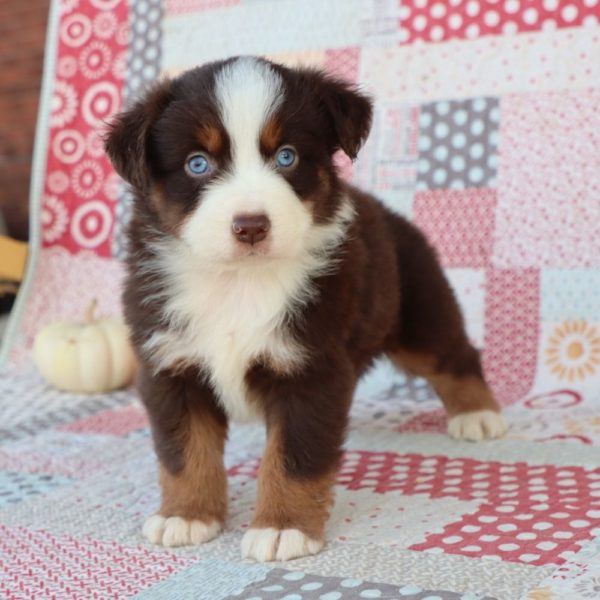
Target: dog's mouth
[258, 250]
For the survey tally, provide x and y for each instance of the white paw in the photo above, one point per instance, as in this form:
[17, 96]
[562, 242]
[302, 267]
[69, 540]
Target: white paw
[477, 425]
[175, 531]
[270, 544]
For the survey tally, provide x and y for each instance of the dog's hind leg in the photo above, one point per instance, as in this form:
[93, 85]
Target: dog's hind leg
[432, 342]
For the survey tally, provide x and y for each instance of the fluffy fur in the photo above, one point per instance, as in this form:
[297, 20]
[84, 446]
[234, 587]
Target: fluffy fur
[281, 328]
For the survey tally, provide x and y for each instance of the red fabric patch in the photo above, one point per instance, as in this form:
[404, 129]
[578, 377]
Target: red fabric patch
[436, 21]
[79, 202]
[541, 534]
[533, 513]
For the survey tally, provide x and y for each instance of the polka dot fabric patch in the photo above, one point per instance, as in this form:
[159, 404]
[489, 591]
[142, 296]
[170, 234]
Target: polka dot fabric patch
[458, 144]
[537, 534]
[298, 585]
[556, 507]
[436, 21]
[468, 479]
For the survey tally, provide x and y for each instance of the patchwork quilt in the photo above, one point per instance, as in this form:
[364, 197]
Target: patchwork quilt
[487, 135]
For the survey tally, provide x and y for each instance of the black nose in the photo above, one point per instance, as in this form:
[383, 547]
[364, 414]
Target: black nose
[250, 229]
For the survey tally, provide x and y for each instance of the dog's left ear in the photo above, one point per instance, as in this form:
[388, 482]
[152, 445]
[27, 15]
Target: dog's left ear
[350, 111]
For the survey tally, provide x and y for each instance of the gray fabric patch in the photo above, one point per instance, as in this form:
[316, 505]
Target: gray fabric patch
[297, 585]
[458, 143]
[143, 68]
[40, 407]
[488, 578]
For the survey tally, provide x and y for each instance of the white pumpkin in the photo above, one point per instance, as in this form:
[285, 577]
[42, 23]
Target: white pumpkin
[94, 356]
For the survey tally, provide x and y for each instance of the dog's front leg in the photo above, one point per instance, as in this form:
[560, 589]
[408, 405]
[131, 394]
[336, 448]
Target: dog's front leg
[306, 422]
[189, 433]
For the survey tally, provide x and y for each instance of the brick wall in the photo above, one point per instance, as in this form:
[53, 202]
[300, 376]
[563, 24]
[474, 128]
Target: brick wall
[22, 37]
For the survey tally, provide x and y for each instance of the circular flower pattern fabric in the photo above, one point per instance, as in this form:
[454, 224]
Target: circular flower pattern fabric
[78, 212]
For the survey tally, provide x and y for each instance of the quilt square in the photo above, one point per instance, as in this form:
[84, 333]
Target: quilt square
[299, 585]
[570, 352]
[62, 566]
[550, 166]
[570, 294]
[422, 20]
[458, 142]
[538, 535]
[459, 224]
[511, 332]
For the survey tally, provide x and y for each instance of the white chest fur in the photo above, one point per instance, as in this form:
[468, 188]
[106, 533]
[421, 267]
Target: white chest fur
[224, 318]
[223, 321]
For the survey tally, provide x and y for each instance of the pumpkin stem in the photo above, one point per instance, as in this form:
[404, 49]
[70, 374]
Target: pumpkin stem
[90, 310]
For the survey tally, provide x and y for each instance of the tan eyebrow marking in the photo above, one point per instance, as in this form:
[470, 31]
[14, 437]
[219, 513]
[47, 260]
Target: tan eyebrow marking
[210, 137]
[270, 136]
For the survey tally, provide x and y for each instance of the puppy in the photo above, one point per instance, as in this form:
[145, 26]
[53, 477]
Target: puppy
[262, 286]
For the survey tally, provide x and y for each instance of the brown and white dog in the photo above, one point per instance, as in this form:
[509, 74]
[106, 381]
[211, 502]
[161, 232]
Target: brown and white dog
[262, 286]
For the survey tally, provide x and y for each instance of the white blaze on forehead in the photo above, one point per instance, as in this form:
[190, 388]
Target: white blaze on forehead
[248, 92]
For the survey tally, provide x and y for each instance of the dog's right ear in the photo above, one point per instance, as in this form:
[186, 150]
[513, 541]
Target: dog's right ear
[126, 142]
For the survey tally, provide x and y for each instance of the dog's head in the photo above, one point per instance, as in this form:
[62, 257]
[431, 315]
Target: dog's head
[235, 157]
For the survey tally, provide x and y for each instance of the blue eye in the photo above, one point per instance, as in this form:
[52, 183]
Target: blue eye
[197, 164]
[286, 157]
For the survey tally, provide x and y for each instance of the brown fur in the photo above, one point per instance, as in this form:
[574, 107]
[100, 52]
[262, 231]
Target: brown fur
[385, 294]
[270, 137]
[285, 502]
[458, 394]
[199, 490]
[189, 434]
[210, 138]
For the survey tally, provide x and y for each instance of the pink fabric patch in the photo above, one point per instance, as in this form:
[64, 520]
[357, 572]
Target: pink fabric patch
[440, 21]
[459, 224]
[118, 421]
[39, 564]
[343, 63]
[511, 332]
[549, 160]
[63, 287]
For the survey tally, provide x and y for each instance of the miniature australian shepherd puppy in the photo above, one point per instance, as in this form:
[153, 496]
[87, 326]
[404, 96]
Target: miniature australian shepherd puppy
[262, 286]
